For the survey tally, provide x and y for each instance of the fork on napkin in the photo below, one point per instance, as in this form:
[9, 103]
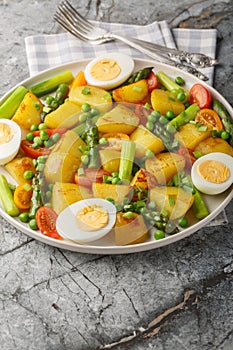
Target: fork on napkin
[50, 50]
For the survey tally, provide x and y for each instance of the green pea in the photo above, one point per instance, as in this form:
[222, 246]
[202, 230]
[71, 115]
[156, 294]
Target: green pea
[33, 224]
[48, 204]
[28, 174]
[181, 96]
[38, 141]
[34, 127]
[30, 136]
[183, 222]
[44, 135]
[103, 141]
[86, 107]
[116, 180]
[93, 111]
[42, 159]
[224, 134]
[169, 114]
[42, 126]
[179, 81]
[159, 234]
[24, 217]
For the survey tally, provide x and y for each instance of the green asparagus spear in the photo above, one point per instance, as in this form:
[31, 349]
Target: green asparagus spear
[184, 117]
[226, 118]
[171, 85]
[11, 103]
[7, 198]
[47, 86]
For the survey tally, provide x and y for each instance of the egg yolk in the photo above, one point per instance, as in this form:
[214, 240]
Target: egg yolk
[213, 171]
[92, 217]
[105, 70]
[6, 133]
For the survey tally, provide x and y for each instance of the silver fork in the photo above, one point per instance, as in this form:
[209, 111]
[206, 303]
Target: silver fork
[68, 17]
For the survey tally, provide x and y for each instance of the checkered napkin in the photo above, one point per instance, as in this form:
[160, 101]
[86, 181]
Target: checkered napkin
[50, 50]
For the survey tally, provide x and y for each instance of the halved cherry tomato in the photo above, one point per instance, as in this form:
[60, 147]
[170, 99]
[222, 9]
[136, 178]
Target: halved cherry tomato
[209, 117]
[91, 175]
[51, 132]
[188, 156]
[46, 221]
[142, 112]
[152, 81]
[23, 195]
[200, 95]
[34, 152]
[115, 140]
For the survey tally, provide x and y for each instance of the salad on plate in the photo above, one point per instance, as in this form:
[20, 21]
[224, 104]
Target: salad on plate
[112, 153]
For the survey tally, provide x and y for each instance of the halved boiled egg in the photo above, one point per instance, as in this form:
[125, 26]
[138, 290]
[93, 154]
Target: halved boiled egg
[213, 173]
[10, 138]
[87, 220]
[109, 70]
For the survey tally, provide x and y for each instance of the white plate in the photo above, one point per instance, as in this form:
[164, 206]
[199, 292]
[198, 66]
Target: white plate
[106, 245]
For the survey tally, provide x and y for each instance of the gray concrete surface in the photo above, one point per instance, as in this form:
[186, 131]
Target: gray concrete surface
[176, 297]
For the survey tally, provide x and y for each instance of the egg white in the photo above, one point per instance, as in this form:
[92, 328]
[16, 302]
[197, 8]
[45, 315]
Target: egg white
[9, 150]
[66, 222]
[208, 187]
[125, 62]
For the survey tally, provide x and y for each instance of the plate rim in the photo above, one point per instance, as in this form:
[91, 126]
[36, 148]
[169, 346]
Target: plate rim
[128, 249]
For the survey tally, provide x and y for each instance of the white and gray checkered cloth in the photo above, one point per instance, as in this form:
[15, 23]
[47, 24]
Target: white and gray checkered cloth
[51, 50]
[47, 51]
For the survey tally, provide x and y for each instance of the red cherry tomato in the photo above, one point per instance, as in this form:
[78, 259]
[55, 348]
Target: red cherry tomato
[200, 95]
[51, 132]
[34, 152]
[91, 175]
[152, 81]
[46, 221]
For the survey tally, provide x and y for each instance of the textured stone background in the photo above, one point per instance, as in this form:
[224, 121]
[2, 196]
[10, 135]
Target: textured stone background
[176, 297]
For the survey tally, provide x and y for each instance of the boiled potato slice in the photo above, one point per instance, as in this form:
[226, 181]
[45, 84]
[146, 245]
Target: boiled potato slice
[110, 160]
[65, 116]
[69, 143]
[61, 167]
[164, 101]
[65, 194]
[165, 165]
[130, 231]
[28, 112]
[133, 93]
[211, 144]
[120, 119]
[190, 136]
[17, 167]
[96, 97]
[145, 140]
[116, 192]
[174, 199]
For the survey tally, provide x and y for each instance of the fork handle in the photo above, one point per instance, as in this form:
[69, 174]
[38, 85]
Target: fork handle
[135, 43]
